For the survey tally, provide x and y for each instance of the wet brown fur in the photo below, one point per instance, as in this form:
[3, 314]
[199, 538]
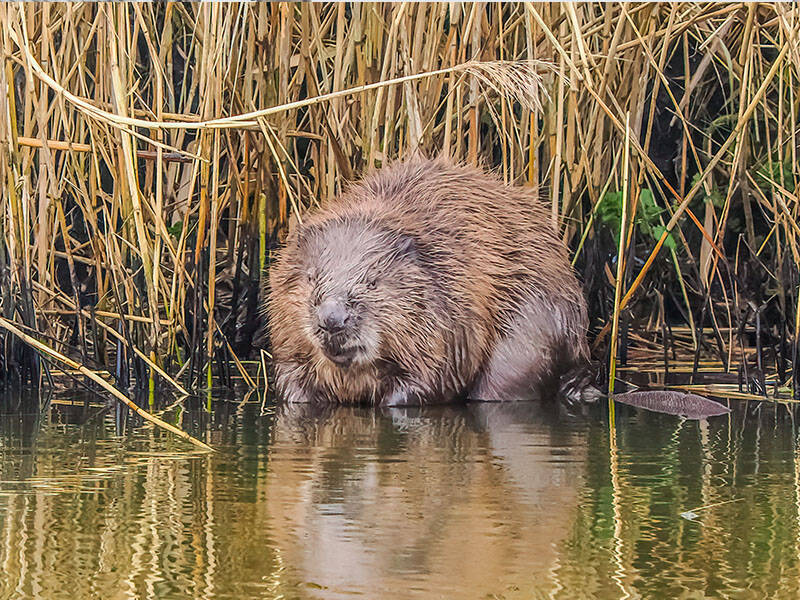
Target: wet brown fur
[476, 297]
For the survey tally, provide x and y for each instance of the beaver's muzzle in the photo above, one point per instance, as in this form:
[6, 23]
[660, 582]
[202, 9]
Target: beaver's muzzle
[332, 316]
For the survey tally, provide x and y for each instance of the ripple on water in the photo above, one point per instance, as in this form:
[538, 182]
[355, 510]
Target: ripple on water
[333, 502]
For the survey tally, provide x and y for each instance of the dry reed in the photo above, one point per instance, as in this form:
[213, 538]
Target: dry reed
[151, 155]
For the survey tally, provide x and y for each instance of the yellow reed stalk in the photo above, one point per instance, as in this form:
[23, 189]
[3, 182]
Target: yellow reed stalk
[623, 227]
[53, 144]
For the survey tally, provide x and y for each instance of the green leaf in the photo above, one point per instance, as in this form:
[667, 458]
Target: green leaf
[658, 231]
[176, 228]
[647, 216]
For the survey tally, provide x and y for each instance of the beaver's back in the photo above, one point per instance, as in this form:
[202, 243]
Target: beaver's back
[490, 245]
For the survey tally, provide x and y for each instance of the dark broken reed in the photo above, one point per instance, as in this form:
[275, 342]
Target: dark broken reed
[151, 155]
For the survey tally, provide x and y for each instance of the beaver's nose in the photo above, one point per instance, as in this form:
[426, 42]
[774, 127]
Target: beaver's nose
[332, 316]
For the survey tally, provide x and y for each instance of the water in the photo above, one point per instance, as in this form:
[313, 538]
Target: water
[483, 501]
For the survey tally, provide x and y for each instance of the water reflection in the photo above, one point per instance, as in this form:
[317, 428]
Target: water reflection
[488, 500]
[442, 500]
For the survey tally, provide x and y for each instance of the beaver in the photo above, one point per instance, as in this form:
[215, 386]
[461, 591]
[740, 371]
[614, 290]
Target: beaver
[427, 282]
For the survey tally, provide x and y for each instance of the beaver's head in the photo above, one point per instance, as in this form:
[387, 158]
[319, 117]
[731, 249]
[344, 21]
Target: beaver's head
[360, 280]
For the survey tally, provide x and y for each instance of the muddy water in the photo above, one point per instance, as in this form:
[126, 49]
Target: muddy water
[483, 501]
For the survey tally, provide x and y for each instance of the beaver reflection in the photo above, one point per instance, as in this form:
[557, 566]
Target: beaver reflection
[444, 501]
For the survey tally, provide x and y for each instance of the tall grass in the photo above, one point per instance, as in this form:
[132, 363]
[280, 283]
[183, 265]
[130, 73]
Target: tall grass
[151, 155]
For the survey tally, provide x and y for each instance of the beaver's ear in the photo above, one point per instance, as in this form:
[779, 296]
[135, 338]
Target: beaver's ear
[406, 247]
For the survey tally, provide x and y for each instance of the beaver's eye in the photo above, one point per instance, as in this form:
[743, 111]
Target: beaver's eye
[372, 284]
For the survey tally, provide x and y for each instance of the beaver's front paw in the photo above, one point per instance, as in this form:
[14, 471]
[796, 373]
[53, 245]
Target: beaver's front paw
[294, 393]
[403, 395]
